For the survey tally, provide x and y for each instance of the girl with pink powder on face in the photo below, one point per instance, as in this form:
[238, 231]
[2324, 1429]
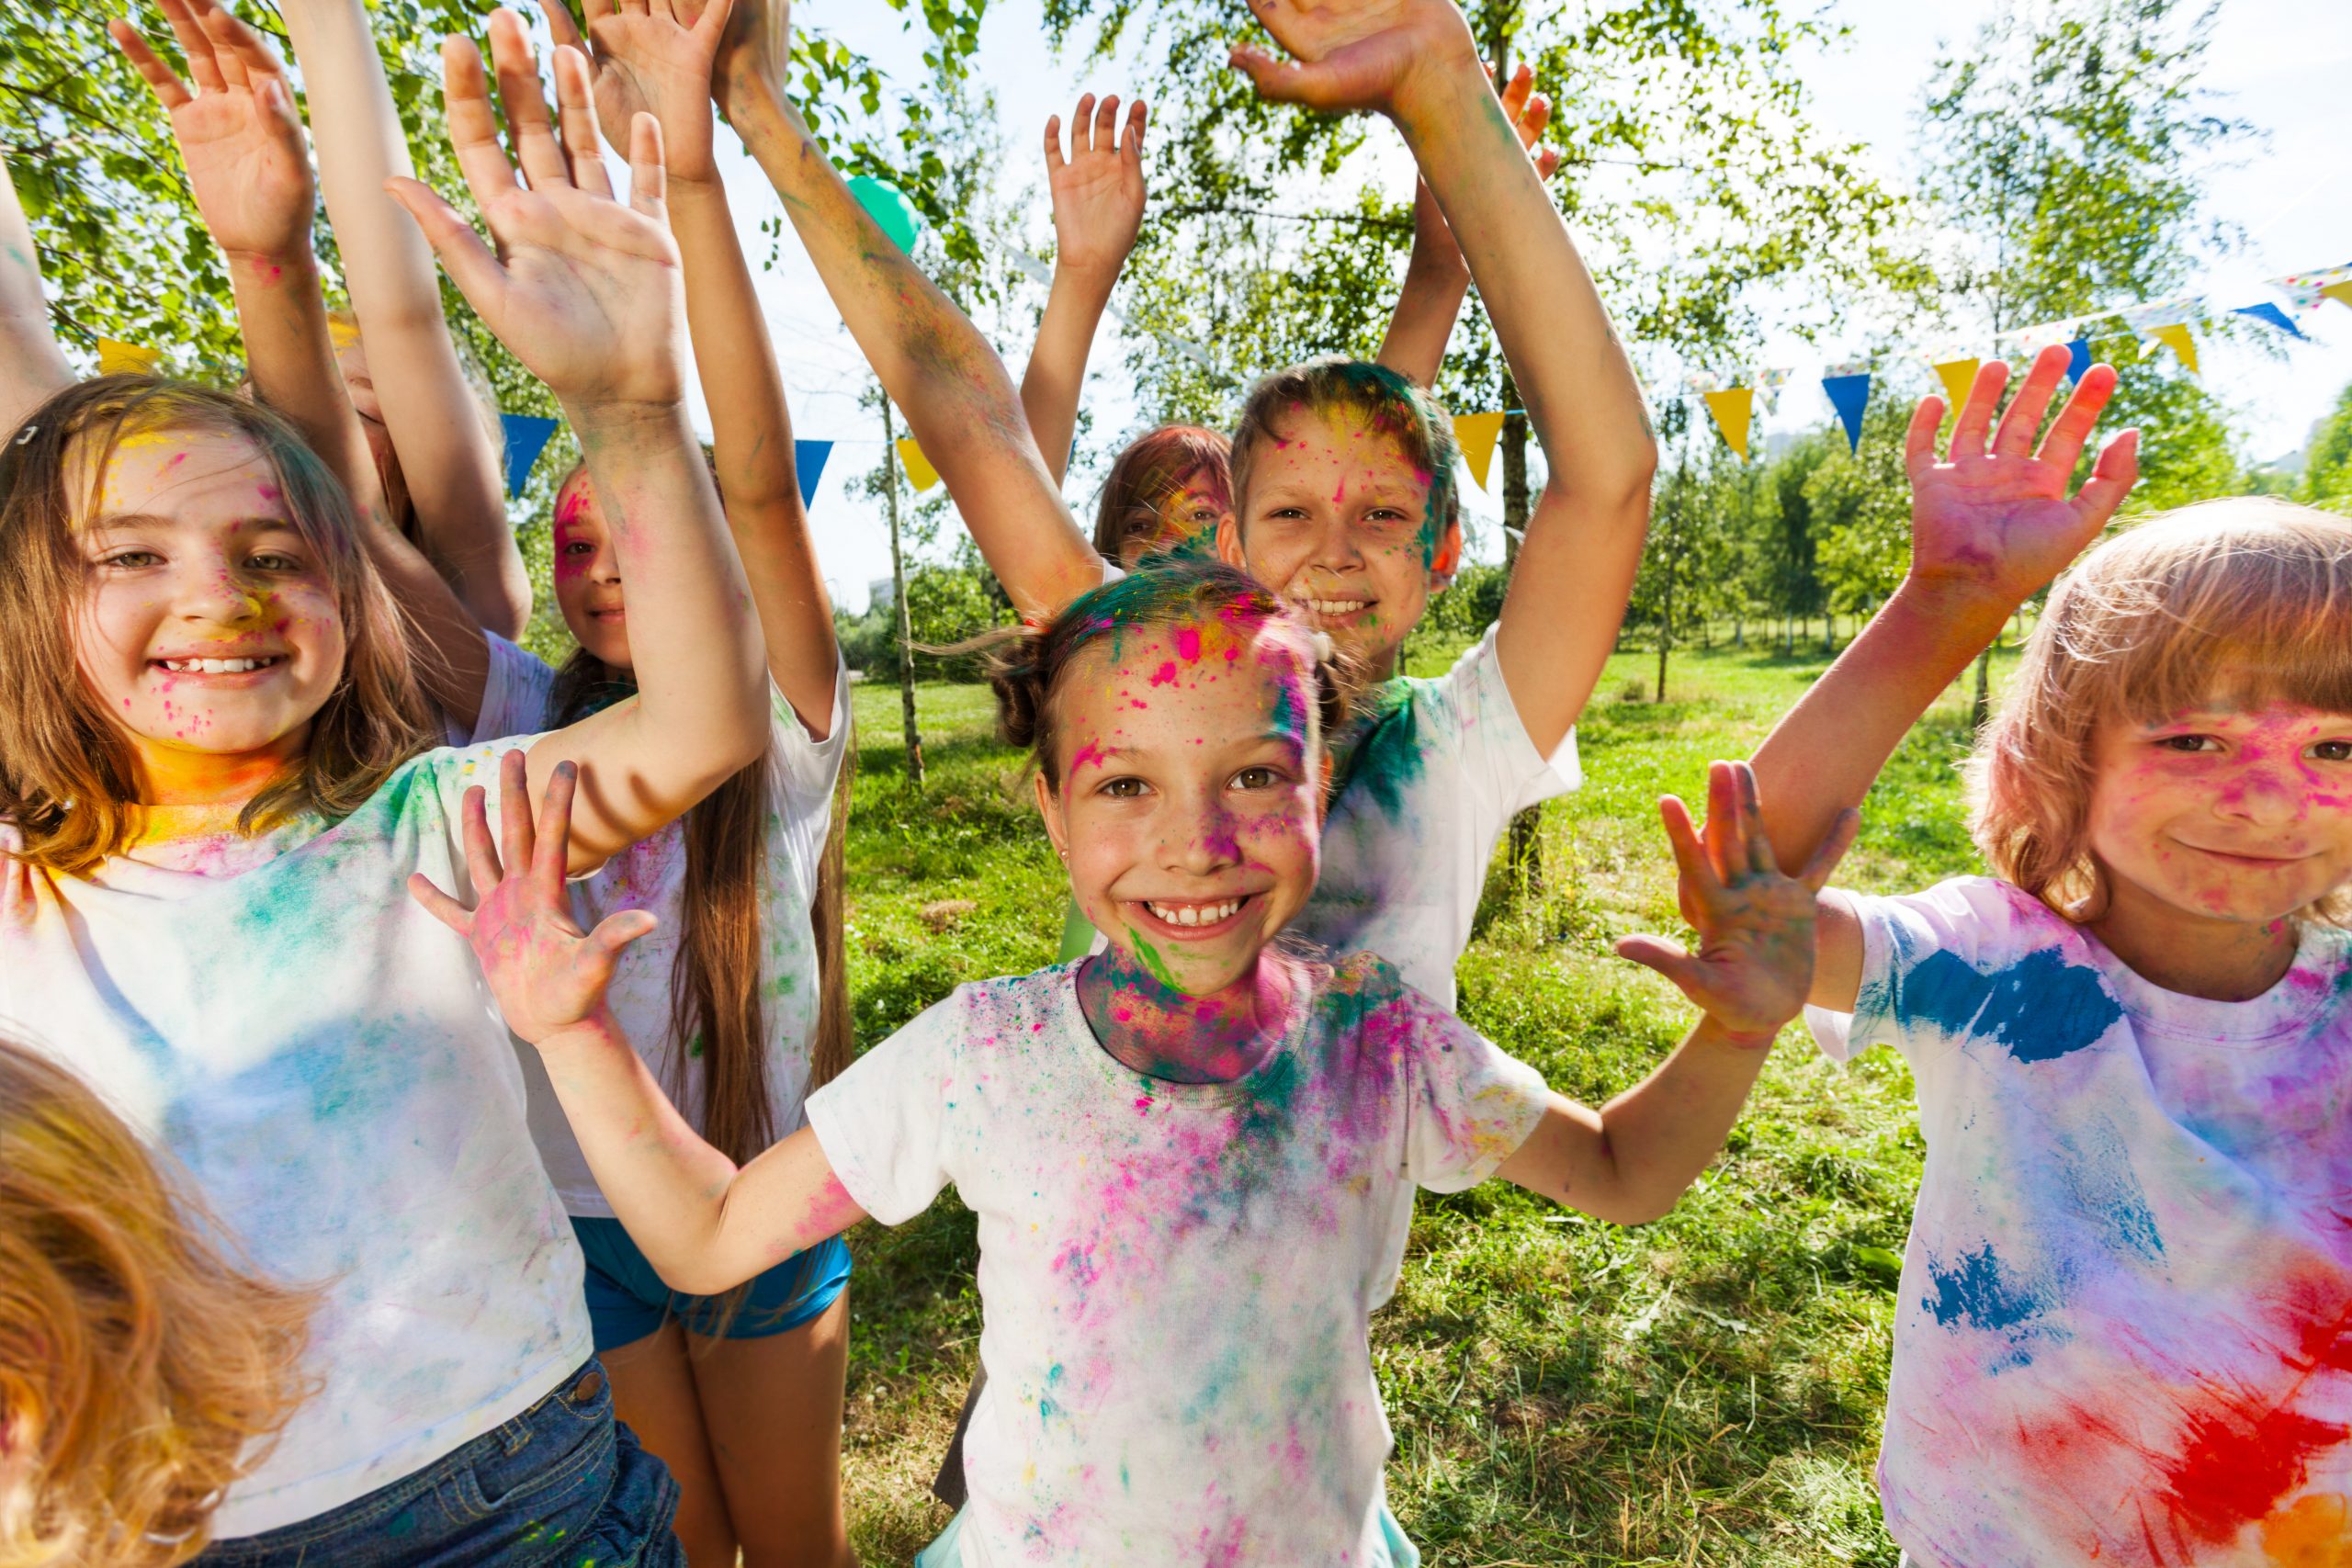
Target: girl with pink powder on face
[1205, 1136]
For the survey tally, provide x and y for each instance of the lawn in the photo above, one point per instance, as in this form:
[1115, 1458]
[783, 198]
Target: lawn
[1704, 1390]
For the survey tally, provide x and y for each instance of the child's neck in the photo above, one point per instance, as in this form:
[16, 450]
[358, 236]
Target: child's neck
[1159, 1030]
[2193, 954]
[170, 777]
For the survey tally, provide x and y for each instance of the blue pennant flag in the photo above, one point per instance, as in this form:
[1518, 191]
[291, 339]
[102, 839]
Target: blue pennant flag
[2078, 359]
[2266, 311]
[1849, 395]
[808, 462]
[526, 437]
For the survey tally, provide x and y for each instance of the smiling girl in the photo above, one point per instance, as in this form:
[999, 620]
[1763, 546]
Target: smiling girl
[213, 779]
[1193, 1155]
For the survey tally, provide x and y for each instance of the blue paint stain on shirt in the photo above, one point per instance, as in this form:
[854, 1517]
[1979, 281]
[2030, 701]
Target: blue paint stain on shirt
[1974, 1291]
[2041, 1006]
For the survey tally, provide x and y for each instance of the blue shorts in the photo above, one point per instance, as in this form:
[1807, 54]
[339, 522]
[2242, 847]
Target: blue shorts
[561, 1482]
[628, 1301]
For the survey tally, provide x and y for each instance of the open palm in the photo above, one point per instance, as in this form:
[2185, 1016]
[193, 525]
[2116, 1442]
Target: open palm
[1353, 54]
[1098, 190]
[237, 129]
[1996, 517]
[653, 57]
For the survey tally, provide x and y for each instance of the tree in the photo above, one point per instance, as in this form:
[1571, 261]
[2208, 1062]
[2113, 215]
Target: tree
[2327, 464]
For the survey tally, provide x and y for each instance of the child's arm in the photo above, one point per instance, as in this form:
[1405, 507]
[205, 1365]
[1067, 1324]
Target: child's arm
[1098, 208]
[1990, 526]
[646, 59]
[960, 403]
[1415, 61]
[1436, 277]
[588, 297]
[704, 1226]
[447, 456]
[32, 365]
[241, 143]
[1631, 1160]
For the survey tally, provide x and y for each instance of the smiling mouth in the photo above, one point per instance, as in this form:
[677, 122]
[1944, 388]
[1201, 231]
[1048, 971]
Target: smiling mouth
[1196, 914]
[2244, 859]
[1332, 609]
[218, 666]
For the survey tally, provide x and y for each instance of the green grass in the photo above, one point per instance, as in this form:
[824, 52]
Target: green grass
[1704, 1390]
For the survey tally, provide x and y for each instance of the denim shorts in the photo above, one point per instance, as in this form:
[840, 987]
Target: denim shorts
[628, 1301]
[561, 1486]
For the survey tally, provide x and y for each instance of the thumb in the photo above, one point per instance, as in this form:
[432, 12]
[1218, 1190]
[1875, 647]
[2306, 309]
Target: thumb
[2117, 471]
[1667, 958]
[470, 264]
[616, 932]
[1285, 80]
[276, 100]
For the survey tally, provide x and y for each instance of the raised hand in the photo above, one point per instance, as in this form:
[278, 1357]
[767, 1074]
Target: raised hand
[238, 132]
[588, 295]
[650, 57]
[1993, 519]
[1355, 54]
[757, 49]
[1754, 962]
[547, 974]
[1098, 189]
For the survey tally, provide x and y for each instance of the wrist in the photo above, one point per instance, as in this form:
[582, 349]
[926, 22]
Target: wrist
[296, 261]
[604, 419]
[1445, 82]
[599, 1030]
[1740, 1039]
[1951, 609]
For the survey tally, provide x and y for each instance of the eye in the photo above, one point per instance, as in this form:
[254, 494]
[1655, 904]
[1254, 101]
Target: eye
[131, 559]
[273, 560]
[1260, 777]
[2190, 744]
[2332, 751]
[1125, 787]
[579, 548]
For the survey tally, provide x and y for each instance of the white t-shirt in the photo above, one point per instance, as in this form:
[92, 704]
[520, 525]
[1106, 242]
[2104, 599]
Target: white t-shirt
[650, 875]
[1175, 1278]
[1431, 776]
[2125, 1330]
[325, 1059]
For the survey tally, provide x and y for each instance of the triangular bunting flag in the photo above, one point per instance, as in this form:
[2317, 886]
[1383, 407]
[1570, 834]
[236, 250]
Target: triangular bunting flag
[1958, 376]
[526, 437]
[2339, 292]
[2272, 315]
[1849, 395]
[920, 473]
[126, 359]
[809, 463]
[1475, 433]
[2078, 359]
[1733, 409]
[887, 206]
[2184, 347]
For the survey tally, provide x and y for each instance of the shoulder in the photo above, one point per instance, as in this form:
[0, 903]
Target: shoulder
[514, 691]
[1974, 913]
[1009, 1013]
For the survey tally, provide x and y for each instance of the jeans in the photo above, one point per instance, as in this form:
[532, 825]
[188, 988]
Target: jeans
[561, 1486]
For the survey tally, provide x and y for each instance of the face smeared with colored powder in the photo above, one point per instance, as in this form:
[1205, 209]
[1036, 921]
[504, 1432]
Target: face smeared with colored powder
[588, 574]
[1189, 793]
[209, 629]
[1337, 521]
[2236, 813]
[1188, 512]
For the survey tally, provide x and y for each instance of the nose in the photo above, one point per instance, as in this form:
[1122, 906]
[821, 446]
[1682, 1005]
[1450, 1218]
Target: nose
[215, 592]
[1336, 546]
[1197, 834]
[604, 565]
[2265, 791]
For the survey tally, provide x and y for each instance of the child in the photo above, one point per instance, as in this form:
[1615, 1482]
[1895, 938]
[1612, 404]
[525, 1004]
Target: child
[2120, 1336]
[210, 779]
[1342, 475]
[1200, 1137]
[142, 1367]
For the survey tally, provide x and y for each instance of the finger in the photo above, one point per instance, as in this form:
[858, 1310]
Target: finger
[1726, 839]
[712, 21]
[575, 97]
[1667, 958]
[1286, 81]
[1761, 861]
[1515, 92]
[1105, 136]
[2022, 422]
[1532, 123]
[528, 128]
[469, 262]
[552, 850]
[1547, 162]
[2063, 447]
[276, 100]
[253, 52]
[202, 69]
[560, 25]
[440, 905]
[1919, 440]
[1054, 159]
[617, 931]
[647, 179]
[1139, 116]
[514, 835]
[161, 79]
[481, 855]
[473, 130]
[1816, 872]
[2111, 480]
[220, 30]
[1690, 855]
[1975, 421]
[1081, 129]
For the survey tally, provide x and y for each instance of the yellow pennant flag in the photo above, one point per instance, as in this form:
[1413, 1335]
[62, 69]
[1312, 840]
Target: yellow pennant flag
[1475, 433]
[125, 358]
[2339, 292]
[1732, 411]
[1959, 375]
[2176, 337]
[919, 469]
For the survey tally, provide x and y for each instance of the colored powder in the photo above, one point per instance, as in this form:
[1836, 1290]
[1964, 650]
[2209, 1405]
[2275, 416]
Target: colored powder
[2041, 1006]
[1380, 750]
[1975, 1292]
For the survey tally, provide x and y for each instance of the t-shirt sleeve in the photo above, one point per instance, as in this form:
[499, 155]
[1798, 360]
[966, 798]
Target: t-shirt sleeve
[1503, 771]
[1470, 1105]
[808, 768]
[883, 1123]
[1912, 946]
[514, 694]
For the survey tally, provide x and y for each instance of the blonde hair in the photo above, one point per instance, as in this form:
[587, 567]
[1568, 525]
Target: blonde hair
[66, 778]
[2247, 600]
[142, 1367]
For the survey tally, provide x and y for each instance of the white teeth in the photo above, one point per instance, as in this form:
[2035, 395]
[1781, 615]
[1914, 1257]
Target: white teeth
[1194, 914]
[1336, 607]
[214, 666]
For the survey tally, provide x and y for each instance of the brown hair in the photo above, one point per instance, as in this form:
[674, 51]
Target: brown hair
[1028, 664]
[144, 1367]
[66, 778]
[2244, 600]
[1155, 466]
[1384, 401]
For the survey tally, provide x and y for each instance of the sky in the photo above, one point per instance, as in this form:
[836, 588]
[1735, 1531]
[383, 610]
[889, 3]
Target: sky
[2281, 63]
